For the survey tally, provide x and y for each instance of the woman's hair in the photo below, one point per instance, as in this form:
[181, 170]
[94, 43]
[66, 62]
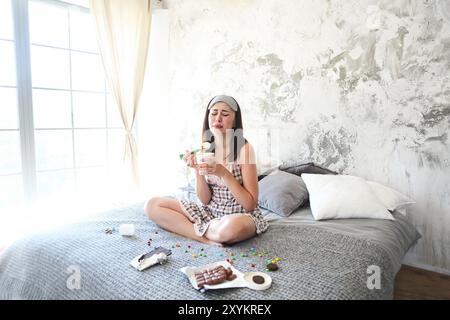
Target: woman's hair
[238, 132]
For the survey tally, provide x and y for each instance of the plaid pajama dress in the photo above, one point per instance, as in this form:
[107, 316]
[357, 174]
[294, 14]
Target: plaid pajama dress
[222, 203]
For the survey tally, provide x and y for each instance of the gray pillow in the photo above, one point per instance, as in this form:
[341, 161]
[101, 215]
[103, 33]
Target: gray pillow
[282, 193]
[298, 168]
[267, 172]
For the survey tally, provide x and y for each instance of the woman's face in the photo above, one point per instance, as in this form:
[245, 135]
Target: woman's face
[221, 117]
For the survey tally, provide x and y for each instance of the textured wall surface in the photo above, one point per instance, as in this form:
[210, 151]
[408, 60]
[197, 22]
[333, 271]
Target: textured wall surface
[361, 86]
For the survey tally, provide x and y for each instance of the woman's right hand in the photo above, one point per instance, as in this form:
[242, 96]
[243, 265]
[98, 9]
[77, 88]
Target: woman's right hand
[189, 158]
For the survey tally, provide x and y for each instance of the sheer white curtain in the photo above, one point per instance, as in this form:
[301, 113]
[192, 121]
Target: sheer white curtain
[123, 30]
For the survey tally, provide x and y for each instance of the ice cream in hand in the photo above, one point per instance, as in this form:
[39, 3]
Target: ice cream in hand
[205, 146]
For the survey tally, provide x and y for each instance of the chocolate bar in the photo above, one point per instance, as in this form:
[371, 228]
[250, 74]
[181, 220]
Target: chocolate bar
[214, 276]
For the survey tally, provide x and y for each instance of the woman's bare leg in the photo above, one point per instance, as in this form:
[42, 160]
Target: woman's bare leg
[231, 229]
[167, 213]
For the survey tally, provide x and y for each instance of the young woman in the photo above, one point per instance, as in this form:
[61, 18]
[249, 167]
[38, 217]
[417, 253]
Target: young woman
[228, 193]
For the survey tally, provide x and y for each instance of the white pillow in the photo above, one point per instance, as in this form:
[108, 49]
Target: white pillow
[392, 199]
[343, 197]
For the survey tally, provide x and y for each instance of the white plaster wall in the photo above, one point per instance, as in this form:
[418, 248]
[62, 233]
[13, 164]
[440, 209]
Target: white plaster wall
[361, 86]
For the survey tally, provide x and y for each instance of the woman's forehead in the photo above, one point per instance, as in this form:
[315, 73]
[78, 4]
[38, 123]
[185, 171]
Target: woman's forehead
[222, 106]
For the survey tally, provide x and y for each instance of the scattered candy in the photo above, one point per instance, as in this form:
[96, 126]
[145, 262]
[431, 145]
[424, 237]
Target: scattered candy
[272, 267]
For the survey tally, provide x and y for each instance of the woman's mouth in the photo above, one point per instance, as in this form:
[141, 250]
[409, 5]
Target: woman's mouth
[217, 126]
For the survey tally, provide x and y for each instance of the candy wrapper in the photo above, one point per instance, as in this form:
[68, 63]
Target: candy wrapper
[222, 275]
[156, 256]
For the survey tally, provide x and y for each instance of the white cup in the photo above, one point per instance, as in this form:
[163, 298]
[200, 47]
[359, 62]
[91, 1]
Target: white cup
[204, 157]
[126, 229]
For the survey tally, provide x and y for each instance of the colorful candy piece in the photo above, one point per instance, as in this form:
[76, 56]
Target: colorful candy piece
[272, 267]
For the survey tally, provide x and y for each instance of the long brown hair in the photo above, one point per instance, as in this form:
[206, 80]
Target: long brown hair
[238, 137]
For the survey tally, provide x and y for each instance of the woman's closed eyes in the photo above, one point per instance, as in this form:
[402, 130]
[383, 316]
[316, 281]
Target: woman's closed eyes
[223, 114]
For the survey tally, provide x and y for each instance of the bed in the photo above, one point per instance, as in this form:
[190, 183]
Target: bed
[318, 259]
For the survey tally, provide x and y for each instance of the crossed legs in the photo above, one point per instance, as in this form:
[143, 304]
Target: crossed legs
[167, 213]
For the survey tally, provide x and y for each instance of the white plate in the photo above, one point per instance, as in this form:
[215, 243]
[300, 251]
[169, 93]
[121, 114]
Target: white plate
[242, 280]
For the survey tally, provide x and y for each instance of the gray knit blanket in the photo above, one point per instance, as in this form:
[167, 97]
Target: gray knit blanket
[314, 262]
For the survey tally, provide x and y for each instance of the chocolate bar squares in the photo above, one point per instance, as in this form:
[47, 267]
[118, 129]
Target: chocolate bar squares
[214, 276]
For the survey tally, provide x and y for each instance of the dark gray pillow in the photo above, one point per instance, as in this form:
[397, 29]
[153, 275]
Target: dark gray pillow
[282, 193]
[298, 168]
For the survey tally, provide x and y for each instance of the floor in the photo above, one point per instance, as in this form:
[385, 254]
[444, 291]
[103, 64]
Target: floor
[418, 284]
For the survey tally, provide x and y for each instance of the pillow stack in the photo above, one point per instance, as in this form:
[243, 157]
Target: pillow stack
[284, 189]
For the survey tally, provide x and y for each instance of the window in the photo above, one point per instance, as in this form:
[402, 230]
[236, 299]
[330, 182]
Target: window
[73, 138]
[11, 186]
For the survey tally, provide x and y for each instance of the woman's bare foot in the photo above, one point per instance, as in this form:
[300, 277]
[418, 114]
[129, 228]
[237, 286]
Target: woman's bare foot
[210, 242]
